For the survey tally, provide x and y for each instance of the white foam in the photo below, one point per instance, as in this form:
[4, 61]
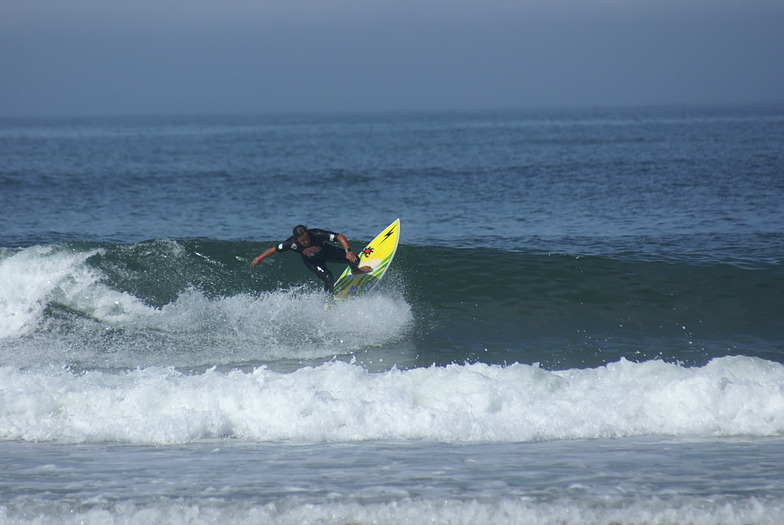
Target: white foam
[275, 325]
[523, 511]
[733, 396]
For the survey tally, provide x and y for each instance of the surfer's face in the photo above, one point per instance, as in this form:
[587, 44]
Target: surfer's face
[304, 239]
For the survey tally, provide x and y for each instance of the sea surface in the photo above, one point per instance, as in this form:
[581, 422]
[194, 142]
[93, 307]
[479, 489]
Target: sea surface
[584, 322]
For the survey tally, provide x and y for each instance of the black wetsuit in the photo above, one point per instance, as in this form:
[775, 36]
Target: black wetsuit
[318, 253]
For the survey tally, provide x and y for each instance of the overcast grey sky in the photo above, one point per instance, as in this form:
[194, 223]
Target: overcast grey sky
[107, 57]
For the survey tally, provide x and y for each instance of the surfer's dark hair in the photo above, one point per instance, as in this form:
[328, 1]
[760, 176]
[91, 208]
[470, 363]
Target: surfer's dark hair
[299, 230]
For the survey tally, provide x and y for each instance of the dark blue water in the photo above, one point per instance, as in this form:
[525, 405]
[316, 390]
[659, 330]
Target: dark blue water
[552, 180]
[607, 278]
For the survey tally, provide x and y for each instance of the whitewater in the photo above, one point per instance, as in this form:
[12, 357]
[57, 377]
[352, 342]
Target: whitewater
[337, 401]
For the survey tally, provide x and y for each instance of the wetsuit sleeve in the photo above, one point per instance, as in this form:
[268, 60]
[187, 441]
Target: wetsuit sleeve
[285, 245]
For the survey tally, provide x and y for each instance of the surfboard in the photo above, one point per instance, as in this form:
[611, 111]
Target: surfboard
[378, 255]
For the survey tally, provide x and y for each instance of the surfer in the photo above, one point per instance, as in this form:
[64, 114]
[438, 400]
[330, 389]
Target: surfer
[313, 245]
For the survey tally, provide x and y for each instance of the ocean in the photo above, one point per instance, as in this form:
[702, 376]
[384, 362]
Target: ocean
[583, 324]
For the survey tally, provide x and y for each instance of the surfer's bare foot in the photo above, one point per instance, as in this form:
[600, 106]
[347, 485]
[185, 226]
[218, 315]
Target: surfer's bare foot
[362, 269]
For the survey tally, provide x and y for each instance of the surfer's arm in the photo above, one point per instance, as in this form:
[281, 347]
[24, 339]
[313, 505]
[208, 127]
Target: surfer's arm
[268, 253]
[344, 243]
[351, 257]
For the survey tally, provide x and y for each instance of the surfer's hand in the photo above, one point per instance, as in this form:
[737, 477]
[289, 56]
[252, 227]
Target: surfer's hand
[351, 257]
[255, 261]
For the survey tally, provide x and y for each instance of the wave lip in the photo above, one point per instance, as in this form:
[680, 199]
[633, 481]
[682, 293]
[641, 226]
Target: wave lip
[33, 278]
[337, 401]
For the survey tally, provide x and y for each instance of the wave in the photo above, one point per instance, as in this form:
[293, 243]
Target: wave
[198, 303]
[337, 401]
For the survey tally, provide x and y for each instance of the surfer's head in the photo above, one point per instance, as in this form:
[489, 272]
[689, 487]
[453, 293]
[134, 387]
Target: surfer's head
[301, 234]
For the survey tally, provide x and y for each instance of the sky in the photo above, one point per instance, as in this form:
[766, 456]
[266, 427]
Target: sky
[111, 57]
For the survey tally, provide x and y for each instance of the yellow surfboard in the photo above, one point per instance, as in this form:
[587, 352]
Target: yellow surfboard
[378, 254]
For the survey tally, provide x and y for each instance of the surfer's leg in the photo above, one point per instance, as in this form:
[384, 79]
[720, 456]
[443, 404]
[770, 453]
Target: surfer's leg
[322, 272]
